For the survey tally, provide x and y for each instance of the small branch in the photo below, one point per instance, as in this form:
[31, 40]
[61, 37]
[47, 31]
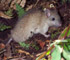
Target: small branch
[9, 41]
[2, 51]
[41, 56]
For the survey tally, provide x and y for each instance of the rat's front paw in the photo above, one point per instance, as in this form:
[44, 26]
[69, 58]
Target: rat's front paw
[47, 35]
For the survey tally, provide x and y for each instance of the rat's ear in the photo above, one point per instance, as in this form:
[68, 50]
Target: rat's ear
[47, 12]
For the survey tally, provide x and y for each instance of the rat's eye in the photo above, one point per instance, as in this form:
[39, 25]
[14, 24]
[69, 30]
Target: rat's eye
[53, 19]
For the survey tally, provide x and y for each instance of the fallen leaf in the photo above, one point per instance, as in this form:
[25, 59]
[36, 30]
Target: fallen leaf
[41, 43]
[47, 41]
[21, 51]
[4, 58]
[23, 2]
[4, 16]
[2, 45]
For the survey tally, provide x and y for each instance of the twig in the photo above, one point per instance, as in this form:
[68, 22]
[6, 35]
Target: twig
[9, 41]
[2, 51]
[46, 52]
[36, 3]
[41, 56]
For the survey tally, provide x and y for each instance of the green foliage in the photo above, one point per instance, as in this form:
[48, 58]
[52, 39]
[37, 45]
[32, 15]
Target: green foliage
[47, 53]
[61, 49]
[54, 35]
[67, 45]
[66, 51]
[20, 10]
[28, 45]
[41, 59]
[9, 12]
[4, 27]
[24, 45]
[58, 49]
[34, 46]
[66, 55]
[68, 34]
[56, 54]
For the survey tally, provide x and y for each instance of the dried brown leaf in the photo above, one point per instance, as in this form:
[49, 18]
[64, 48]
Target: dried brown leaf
[4, 16]
[41, 43]
[21, 51]
[2, 45]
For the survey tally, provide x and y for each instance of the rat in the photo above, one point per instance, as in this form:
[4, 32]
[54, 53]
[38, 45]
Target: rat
[33, 22]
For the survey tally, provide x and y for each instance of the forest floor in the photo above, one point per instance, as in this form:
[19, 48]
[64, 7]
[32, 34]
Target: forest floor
[38, 42]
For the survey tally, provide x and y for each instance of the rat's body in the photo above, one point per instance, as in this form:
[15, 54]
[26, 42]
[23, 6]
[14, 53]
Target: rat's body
[35, 21]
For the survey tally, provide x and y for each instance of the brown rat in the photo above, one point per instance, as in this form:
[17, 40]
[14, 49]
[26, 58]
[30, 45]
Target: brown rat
[33, 22]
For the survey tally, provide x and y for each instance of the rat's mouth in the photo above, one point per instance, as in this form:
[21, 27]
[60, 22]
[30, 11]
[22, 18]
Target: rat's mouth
[57, 25]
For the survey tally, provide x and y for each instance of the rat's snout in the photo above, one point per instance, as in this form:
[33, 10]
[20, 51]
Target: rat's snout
[59, 24]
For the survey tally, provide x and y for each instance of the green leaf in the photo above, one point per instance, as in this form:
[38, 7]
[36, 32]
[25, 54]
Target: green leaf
[37, 58]
[4, 27]
[43, 59]
[40, 59]
[58, 42]
[64, 32]
[68, 34]
[66, 55]
[68, 40]
[67, 45]
[56, 54]
[24, 45]
[20, 10]
[48, 52]
[66, 51]
[9, 12]
[54, 35]
[36, 47]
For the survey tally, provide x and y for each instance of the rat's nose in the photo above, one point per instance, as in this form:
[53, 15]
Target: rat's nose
[60, 24]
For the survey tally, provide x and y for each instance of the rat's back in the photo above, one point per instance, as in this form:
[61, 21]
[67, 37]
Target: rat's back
[35, 21]
[25, 25]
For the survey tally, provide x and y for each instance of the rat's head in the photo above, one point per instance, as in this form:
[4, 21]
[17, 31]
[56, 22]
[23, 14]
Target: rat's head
[53, 17]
